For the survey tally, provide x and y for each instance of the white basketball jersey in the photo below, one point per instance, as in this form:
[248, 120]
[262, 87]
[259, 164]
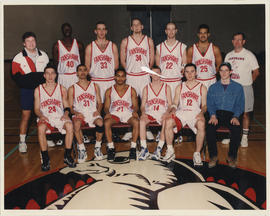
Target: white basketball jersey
[68, 59]
[51, 106]
[171, 60]
[121, 104]
[137, 55]
[206, 68]
[190, 99]
[102, 62]
[156, 104]
[84, 99]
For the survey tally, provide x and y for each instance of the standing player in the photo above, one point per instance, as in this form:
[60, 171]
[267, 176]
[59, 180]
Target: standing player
[101, 59]
[121, 105]
[245, 70]
[189, 106]
[85, 102]
[156, 99]
[137, 50]
[170, 57]
[68, 53]
[25, 66]
[206, 56]
[51, 108]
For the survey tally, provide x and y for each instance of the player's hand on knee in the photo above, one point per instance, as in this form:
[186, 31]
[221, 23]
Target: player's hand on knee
[107, 116]
[43, 119]
[135, 115]
[213, 120]
[96, 113]
[235, 121]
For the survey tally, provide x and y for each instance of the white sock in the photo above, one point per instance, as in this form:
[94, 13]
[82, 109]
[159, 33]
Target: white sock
[98, 144]
[143, 143]
[22, 137]
[170, 148]
[81, 146]
[133, 145]
[161, 143]
[110, 145]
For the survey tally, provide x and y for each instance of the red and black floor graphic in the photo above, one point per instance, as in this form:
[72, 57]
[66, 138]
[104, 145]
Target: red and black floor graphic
[142, 185]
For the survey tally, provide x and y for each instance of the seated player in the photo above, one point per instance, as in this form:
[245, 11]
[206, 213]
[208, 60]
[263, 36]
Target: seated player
[51, 108]
[156, 99]
[188, 108]
[85, 102]
[121, 105]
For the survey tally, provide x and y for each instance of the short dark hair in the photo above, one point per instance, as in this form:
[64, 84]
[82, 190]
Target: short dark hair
[120, 69]
[50, 66]
[203, 26]
[190, 65]
[239, 33]
[136, 18]
[227, 64]
[101, 22]
[27, 35]
[80, 65]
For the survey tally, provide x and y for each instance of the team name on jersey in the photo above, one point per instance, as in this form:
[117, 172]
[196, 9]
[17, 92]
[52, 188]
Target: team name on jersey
[235, 76]
[156, 101]
[237, 58]
[120, 103]
[102, 58]
[69, 56]
[85, 96]
[189, 94]
[138, 50]
[169, 58]
[204, 61]
[50, 102]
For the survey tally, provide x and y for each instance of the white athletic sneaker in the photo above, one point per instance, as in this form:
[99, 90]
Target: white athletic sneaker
[50, 143]
[59, 142]
[225, 141]
[82, 155]
[158, 137]
[157, 154]
[143, 154]
[127, 136]
[98, 154]
[149, 135]
[86, 139]
[197, 160]
[169, 156]
[22, 147]
[244, 141]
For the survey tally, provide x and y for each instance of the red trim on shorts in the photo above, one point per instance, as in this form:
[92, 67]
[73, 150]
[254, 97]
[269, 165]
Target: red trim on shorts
[170, 79]
[68, 73]
[151, 118]
[206, 79]
[83, 123]
[100, 79]
[47, 124]
[117, 119]
[137, 74]
[177, 122]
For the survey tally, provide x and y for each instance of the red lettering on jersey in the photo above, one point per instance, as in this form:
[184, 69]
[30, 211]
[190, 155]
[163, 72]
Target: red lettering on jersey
[204, 61]
[190, 94]
[50, 102]
[120, 103]
[156, 101]
[102, 58]
[169, 58]
[237, 58]
[138, 50]
[85, 96]
[69, 56]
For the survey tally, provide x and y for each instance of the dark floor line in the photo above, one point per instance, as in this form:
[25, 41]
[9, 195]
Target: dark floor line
[259, 123]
